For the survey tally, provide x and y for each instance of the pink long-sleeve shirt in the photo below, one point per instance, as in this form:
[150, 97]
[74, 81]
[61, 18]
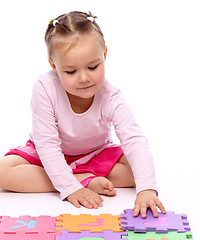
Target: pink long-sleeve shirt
[58, 131]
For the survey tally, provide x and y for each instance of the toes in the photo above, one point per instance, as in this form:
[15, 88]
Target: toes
[102, 185]
[109, 189]
[110, 193]
[110, 186]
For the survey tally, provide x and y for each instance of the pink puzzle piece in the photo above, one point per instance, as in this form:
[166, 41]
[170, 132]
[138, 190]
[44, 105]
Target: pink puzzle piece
[161, 221]
[27, 236]
[27, 224]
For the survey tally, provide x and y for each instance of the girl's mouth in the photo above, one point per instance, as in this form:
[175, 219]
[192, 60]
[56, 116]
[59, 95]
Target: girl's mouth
[87, 87]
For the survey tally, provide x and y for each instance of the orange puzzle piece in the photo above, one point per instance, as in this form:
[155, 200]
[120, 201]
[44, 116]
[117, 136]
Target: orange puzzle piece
[92, 223]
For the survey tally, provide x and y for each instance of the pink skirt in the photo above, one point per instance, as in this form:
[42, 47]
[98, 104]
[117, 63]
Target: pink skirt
[99, 165]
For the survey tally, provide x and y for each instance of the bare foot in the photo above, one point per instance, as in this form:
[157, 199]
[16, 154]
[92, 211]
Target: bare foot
[102, 185]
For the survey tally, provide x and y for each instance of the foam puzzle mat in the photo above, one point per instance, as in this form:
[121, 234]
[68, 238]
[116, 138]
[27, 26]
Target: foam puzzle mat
[169, 226]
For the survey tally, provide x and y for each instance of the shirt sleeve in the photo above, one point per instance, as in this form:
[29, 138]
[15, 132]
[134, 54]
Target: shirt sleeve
[45, 134]
[133, 141]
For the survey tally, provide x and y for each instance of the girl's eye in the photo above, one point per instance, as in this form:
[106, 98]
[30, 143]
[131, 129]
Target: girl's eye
[71, 72]
[93, 68]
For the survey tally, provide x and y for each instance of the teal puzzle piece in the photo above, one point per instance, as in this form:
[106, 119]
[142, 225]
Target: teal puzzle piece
[157, 236]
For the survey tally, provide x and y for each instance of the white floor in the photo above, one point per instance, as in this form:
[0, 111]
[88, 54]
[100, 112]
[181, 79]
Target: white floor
[175, 198]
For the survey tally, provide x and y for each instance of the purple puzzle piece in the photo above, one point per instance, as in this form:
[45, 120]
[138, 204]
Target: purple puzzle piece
[164, 223]
[107, 235]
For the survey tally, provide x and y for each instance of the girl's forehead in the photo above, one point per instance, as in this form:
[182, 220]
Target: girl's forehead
[63, 45]
[78, 46]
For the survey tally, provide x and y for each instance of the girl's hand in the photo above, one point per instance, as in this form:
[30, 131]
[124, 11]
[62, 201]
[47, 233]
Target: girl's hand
[86, 198]
[147, 199]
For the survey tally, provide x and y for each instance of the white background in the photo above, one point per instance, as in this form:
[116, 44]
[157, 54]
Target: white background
[153, 56]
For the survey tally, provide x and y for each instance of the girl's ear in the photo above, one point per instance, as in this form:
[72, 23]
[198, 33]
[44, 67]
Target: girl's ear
[105, 52]
[52, 64]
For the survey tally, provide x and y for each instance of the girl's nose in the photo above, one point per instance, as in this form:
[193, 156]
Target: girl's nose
[83, 77]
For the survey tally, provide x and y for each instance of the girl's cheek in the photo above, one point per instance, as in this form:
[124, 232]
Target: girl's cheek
[101, 73]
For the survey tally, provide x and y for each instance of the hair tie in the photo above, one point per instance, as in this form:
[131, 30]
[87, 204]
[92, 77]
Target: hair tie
[55, 22]
[90, 17]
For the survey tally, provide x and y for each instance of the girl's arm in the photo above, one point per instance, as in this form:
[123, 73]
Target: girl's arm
[135, 147]
[45, 135]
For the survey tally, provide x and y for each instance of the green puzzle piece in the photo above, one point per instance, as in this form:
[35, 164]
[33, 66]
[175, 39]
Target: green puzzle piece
[158, 236]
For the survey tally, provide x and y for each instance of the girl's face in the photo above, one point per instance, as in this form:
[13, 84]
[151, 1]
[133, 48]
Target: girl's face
[80, 65]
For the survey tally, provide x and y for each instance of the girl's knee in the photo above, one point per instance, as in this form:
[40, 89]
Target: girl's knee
[4, 169]
[7, 164]
[12, 161]
[123, 160]
[4, 164]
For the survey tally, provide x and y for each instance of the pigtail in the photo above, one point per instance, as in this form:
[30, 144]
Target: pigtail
[91, 17]
[59, 25]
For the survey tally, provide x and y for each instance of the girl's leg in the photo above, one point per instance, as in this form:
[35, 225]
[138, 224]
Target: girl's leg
[121, 174]
[100, 185]
[18, 175]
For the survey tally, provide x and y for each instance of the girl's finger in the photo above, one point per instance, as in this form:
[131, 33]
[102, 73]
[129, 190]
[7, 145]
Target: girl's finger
[86, 203]
[143, 211]
[154, 209]
[136, 211]
[76, 203]
[99, 201]
[160, 206]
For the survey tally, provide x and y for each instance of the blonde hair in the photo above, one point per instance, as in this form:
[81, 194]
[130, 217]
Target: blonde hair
[70, 24]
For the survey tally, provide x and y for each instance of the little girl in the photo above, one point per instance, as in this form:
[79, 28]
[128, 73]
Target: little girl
[70, 149]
